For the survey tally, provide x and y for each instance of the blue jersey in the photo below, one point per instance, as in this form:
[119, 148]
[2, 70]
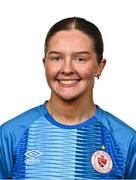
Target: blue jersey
[35, 146]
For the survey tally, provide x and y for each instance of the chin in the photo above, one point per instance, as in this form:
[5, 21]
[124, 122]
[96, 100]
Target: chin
[69, 98]
[67, 95]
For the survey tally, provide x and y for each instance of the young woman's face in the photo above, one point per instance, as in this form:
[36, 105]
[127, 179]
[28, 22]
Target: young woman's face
[71, 64]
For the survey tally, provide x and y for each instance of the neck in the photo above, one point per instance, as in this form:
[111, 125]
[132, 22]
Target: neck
[71, 112]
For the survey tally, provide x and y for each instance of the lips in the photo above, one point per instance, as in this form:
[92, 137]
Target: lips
[68, 83]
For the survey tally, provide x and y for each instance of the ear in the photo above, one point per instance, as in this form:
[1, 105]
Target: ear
[43, 60]
[100, 67]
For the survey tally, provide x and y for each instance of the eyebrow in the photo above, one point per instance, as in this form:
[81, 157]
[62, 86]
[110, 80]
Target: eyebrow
[78, 52]
[54, 52]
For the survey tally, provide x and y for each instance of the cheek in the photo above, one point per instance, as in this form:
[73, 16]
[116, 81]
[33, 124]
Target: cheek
[50, 72]
[87, 73]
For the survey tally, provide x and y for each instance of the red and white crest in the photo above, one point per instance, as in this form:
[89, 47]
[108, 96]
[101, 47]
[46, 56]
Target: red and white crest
[101, 161]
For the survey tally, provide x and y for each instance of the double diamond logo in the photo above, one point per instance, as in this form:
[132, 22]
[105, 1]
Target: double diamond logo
[33, 154]
[32, 157]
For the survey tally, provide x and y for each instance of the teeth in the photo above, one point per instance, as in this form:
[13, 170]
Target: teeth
[68, 81]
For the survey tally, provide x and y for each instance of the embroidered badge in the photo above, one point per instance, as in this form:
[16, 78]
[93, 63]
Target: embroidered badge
[101, 161]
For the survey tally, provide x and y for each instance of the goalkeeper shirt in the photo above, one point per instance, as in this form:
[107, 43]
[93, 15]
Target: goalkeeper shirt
[33, 145]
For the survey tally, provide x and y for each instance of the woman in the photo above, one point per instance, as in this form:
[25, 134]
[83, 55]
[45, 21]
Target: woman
[69, 137]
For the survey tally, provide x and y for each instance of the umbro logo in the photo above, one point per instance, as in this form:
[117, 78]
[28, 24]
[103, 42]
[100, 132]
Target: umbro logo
[32, 157]
[33, 154]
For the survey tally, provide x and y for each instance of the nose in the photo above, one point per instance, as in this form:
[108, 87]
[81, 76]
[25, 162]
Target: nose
[67, 68]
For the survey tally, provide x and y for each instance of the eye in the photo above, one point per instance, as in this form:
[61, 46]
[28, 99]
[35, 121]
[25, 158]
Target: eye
[55, 58]
[80, 59]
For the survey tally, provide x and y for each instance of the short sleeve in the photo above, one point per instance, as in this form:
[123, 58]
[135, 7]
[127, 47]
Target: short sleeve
[131, 161]
[10, 134]
[6, 151]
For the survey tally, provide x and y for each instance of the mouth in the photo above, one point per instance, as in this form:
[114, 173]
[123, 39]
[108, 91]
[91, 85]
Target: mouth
[68, 83]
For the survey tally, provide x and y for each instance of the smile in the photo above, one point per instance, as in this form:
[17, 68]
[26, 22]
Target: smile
[68, 83]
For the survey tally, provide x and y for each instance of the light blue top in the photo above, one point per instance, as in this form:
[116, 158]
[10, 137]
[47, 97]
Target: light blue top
[33, 145]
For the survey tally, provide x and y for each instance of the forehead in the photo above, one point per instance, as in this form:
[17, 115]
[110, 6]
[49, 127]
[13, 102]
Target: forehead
[70, 40]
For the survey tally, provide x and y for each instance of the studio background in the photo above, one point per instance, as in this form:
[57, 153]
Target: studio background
[23, 27]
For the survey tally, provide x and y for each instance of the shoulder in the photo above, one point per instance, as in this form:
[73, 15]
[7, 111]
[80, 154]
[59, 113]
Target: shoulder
[17, 125]
[123, 137]
[114, 123]
[123, 134]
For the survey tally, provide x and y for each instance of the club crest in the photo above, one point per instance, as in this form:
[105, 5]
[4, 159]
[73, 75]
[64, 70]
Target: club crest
[101, 161]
